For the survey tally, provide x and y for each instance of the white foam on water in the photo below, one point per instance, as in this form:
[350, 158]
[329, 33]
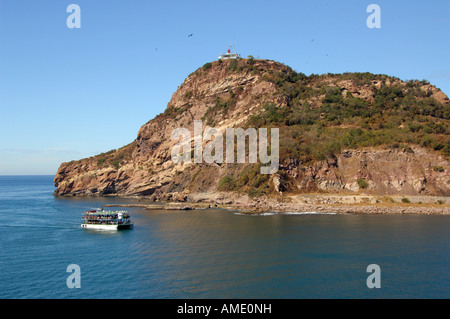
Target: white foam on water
[241, 214]
[308, 213]
[283, 213]
[256, 214]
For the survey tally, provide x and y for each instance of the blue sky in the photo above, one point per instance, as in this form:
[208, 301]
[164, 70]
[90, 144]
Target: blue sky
[67, 94]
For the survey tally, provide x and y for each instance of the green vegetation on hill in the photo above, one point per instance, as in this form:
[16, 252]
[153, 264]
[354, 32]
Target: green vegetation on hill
[398, 114]
[246, 179]
[115, 158]
[320, 116]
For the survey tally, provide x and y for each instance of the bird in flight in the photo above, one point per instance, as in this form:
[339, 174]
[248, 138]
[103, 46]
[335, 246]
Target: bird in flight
[190, 35]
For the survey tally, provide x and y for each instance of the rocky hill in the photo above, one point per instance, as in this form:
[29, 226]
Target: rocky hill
[345, 133]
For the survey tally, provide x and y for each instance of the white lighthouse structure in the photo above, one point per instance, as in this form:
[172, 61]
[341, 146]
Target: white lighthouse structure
[229, 55]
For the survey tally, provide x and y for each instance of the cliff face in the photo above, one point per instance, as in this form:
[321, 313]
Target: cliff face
[377, 171]
[261, 93]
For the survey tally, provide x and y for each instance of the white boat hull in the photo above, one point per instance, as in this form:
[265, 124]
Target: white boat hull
[106, 226]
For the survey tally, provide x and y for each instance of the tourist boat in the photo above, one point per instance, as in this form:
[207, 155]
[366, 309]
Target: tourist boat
[229, 55]
[106, 220]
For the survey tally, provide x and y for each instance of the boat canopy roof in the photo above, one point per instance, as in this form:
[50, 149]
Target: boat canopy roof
[105, 212]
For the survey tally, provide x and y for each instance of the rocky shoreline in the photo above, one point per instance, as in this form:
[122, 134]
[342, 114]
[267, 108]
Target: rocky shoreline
[261, 205]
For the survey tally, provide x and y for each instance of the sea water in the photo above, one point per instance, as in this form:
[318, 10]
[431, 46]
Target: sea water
[213, 253]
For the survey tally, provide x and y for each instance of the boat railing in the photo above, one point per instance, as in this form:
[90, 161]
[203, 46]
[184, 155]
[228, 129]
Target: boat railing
[106, 222]
[101, 216]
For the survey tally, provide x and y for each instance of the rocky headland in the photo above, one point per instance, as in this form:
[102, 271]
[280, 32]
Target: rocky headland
[352, 142]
